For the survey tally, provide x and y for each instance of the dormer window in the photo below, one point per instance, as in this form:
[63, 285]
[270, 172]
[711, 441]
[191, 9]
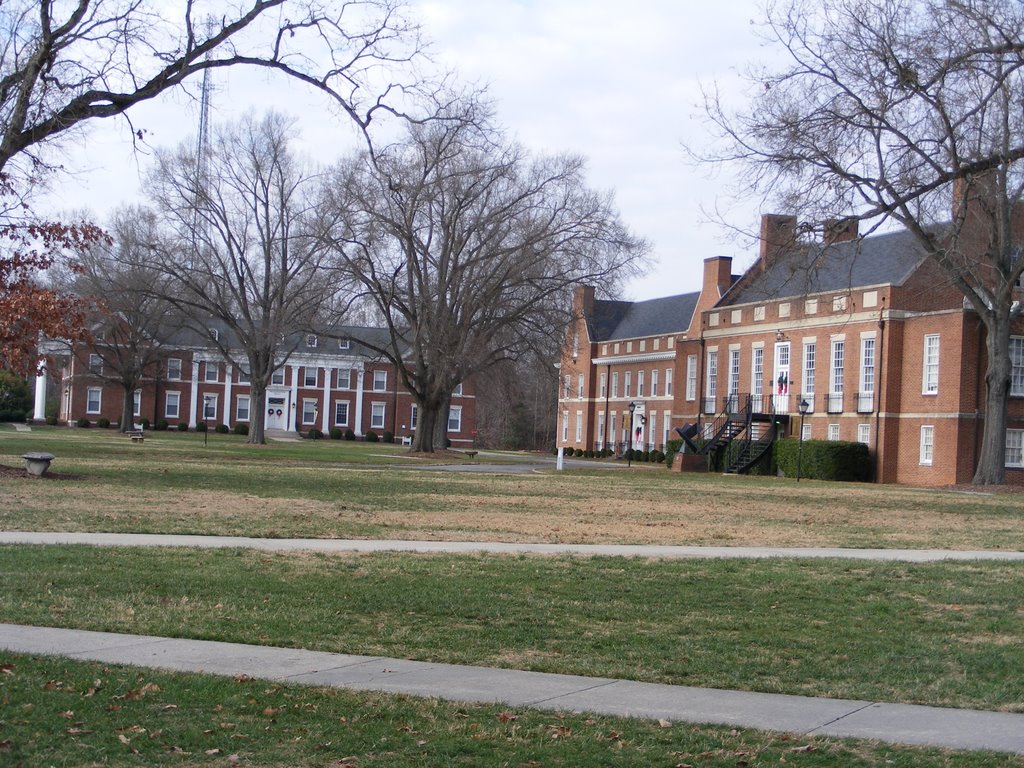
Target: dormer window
[344, 344]
[214, 334]
[311, 340]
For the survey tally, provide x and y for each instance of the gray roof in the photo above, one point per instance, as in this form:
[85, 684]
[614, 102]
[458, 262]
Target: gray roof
[887, 259]
[614, 320]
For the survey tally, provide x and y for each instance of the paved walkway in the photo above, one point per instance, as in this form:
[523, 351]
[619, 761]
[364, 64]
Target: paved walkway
[897, 723]
[501, 548]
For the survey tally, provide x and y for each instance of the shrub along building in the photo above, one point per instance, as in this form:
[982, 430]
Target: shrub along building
[329, 384]
[864, 335]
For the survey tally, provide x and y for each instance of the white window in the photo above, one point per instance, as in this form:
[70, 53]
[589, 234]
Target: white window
[810, 350]
[174, 369]
[309, 411]
[243, 376]
[604, 385]
[711, 389]
[927, 444]
[643, 345]
[93, 400]
[344, 378]
[600, 430]
[212, 372]
[615, 384]
[209, 407]
[654, 383]
[242, 408]
[455, 418]
[277, 377]
[214, 333]
[566, 384]
[457, 392]
[1017, 366]
[1015, 447]
[565, 426]
[414, 416]
[691, 378]
[627, 383]
[611, 432]
[309, 376]
[833, 431]
[639, 383]
[864, 434]
[867, 374]
[377, 416]
[734, 371]
[95, 365]
[172, 405]
[311, 340]
[380, 381]
[930, 384]
[579, 426]
[579, 386]
[806, 431]
[137, 402]
[668, 379]
[341, 413]
[836, 379]
[575, 344]
[344, 343]
[757, 373]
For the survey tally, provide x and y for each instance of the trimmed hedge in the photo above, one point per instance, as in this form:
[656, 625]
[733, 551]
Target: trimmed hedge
[241, 428]
[314, 434]
[370, 437]
[671, 449]
[337, 433]
[182, 426]
[825, 460]
[84, 423]
[349, 434]
[222, 429]
[103, 423]
[388, 437]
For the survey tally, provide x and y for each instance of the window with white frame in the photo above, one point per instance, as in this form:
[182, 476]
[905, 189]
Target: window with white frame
[806, 431]
[242, 408]
[137, 402]
[575, 344]
[712, 380]
[566, 383]
[414, 416]
[565, 426]
[654, 383]
[757, 372]
[209, 407]
[833, 431]
[836, 379]
[668, 379]
[95, 365]
[864, 433]
[930, 369]
[341, 413]
[579, 426]
[309, 410]
[579, 386]
[93, 400]
[600, 429]
[380, 381]
[212, 372]
[343, 378]
[615, 384]
[277, 377]
[309, 376]
[1017, 366]
[639, 383]
[611, 431]
[810, 350]
[377, 413]
[344, 343]
[604, 385]
[312, 340]
[867, 374]
[691, 378]
[214, 333]
[244, 377]
[457, 392]
[174, 369]
[734, 371]
[1015, 448]
[455, 418]
[627, 383]
[927, 444]
[172, 405]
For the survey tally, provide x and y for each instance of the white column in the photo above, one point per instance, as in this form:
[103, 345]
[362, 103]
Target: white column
[227, 394]
[293, 411]
[325, 410]
[194, 399]
[39, 414]
[360, 376]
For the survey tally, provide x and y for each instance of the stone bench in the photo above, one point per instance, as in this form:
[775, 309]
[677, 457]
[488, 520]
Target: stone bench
[36, 464]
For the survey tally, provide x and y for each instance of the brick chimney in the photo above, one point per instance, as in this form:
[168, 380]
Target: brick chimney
[583, 301]
[841, 230]
[717, 276]
[778, 235]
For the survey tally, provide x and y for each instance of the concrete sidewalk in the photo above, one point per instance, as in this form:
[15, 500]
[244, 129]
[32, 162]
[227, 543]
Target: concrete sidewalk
[897, 723]
[499, 548]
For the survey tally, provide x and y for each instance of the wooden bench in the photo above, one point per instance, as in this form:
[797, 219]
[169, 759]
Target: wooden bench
[137, 434]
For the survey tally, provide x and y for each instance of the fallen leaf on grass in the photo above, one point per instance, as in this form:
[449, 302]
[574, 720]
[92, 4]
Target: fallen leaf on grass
[665, 723]
[212, 752]
[77, 731]
[506, 717]
[123, 739]
[242, 678]
[67, 714]
[7, 669]
[804, 748]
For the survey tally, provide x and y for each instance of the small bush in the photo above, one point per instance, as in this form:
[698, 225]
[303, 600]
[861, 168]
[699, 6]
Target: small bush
[388, 437]
[51, 420]
[241, 428]
[349, 434]
[145, 423]
[103, 422]
[578, 453]
[201, 426]
[671, 449]
[84, 423]
[314, 434]
[371, 437]
[336, 433]
[182, 426]
[161, 426]
[222, 429]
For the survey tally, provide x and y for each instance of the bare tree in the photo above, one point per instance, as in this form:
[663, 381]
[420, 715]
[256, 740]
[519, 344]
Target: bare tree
[908, 111]
[238, 247]
[467, 248]
[128, 318]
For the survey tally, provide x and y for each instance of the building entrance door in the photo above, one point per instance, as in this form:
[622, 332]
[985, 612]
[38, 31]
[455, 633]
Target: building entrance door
[277, 411]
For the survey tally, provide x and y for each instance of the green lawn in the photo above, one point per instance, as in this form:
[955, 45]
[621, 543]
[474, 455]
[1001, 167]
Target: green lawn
[942, 634]
[68, 713]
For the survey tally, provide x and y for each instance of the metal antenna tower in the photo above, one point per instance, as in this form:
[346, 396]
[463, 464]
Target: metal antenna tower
[202, 149]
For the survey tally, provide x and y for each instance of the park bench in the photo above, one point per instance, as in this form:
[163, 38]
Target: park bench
[137, 434]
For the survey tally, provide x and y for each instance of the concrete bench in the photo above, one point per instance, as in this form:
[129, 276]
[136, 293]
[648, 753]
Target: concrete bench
[36, 464]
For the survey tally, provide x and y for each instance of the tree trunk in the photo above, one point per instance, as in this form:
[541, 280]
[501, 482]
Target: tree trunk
[426, 420]
[127, 407]
[441, 423]
[991, 468]
[257, 413]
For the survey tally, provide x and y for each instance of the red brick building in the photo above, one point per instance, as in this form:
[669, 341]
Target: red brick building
[866, 331]
[327, 383]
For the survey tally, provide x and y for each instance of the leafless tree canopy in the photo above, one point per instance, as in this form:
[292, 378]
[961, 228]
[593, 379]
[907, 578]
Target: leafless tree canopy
[468, 247]
[63, 62]
[908, 111]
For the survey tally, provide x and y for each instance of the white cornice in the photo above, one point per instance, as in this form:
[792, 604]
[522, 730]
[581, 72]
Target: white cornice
[647, 357]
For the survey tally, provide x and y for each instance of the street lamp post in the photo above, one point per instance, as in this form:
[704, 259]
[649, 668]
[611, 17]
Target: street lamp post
[629, 435]
[804, 408]
[206, 409]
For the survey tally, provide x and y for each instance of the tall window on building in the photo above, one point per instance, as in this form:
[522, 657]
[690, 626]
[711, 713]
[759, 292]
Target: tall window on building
[810, 350]
[927, 444]
[579, 426]
[565, 426]
[604, 385]
[212, 372]
[457, 392]
[455, 418]
[757, 375]
[309, 410]
[864, 434]
[734, 374]
[611, 432]
[600, 430]
[615, 384]
[414, 416]
[210, 407]
[627, 384]
[380, 381]
[654, 383]
[691, 378]
[172, 405]
[833, 431]
[309, 376]
[1015, 447]
[639, 383]
[174, 369]
[930, 383]
[711, 388]
[566, 383]
[579, 386]
[1017, 366]
[95, 365]
[835, 392]
[341, 413]
[137, 402]
[242, 408]
[668, 379]
[377, 415]
[93, 400]
[866, 399]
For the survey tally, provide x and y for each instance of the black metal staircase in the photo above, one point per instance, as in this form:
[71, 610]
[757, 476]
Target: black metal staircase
[732, 441]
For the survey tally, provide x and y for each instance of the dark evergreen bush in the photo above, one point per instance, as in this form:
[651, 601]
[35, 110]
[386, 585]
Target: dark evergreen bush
[145, 423]
[349, 434]
[201, 426]
[241, 428]
[337, 433]
[371, 437]
[161, 425]
[103, 423]
[825, 460]
[314, 434]
[51, 420]
[84, 423]
[182, 426]
[222, 429]
[388, 437]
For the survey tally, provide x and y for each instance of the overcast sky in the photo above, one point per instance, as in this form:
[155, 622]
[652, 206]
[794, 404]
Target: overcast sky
[617, 83]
